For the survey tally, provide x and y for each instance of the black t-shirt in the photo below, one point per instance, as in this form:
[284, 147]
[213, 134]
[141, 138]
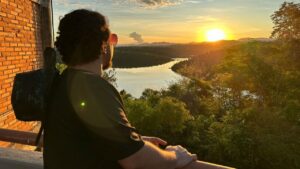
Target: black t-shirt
[86, 126]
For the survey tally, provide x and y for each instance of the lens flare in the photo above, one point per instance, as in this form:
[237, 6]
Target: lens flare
[82, 104]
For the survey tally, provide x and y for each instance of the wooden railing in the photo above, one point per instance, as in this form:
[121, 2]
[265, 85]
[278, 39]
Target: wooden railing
[20, 137]
[18, 159]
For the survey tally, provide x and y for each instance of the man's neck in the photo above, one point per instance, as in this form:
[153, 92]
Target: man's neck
[94, 67]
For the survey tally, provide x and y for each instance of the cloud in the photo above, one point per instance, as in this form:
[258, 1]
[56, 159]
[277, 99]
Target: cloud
[152, 4]
[194, 2]
[137, 37]
[159, 3]
[201, 19]
[199, 1]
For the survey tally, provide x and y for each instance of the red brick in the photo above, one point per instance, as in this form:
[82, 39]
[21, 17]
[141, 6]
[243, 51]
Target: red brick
[2, 109]
[15, 21]
[4, 44]
[11, 66]
[13, 4]
[9, 89]
[2, 14]
[18, 49]
[6, 72]
[10, 16]
[3, 77]
[6, 63]
[4, 86]
[14, 71]
[4, 1]
[9, 39]
[18, 10]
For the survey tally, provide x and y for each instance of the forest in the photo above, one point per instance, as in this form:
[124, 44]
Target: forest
[241, 104]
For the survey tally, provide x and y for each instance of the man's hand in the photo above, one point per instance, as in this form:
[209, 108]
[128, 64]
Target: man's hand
[182, 155]
[155, 140]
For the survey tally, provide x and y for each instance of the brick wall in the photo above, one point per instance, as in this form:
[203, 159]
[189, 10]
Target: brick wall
[23, 24]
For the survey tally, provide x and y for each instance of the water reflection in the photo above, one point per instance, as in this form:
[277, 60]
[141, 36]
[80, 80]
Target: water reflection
[136, 80]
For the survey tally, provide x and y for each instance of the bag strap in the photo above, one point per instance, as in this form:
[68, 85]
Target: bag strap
[50, 71]
[41, 130]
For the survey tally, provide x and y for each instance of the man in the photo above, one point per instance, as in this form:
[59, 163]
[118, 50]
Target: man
[86, 126]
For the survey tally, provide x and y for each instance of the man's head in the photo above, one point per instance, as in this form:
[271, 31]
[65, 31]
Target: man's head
[83, 37]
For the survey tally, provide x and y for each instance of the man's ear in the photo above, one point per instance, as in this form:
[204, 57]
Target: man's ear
[106, 57]
[103, 49]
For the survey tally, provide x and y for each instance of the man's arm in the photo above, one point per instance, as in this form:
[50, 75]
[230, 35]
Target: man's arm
[150, 156]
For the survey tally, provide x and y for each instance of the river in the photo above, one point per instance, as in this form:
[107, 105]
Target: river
[136, 80]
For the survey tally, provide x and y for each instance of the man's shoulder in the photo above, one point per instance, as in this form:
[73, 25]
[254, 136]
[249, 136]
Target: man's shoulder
[84, 87]
[92, 79]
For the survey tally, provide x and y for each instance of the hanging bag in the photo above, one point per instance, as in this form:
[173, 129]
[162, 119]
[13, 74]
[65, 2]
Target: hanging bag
[31, 90]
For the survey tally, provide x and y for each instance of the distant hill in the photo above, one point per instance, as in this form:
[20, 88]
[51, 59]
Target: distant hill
[148, 44]
[162, 52]
[256, 39]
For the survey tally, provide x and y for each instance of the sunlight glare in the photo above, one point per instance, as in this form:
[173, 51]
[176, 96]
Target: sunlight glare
[215, 35]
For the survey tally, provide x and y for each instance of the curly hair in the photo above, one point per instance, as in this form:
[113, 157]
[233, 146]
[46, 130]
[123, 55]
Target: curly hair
[81, 35]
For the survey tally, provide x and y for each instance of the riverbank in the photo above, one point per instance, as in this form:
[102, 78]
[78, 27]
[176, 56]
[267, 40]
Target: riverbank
[199, 66]
[136, 80]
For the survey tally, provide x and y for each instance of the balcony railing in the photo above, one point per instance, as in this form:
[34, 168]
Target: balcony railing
[21, 137]
[19, 159]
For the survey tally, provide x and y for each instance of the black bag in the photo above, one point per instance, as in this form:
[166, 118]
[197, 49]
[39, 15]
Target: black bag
[31, 91]
[29, 94]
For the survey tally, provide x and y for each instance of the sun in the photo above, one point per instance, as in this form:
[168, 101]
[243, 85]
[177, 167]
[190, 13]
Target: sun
[214, 35]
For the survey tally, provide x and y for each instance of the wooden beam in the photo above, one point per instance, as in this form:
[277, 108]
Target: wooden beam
[21, 137]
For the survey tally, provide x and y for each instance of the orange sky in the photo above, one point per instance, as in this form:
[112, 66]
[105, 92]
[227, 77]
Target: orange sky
[179, 21]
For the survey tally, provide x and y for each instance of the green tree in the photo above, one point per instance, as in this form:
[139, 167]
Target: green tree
[287, 29]
[287, 21]
[165, 117]
[192, 92]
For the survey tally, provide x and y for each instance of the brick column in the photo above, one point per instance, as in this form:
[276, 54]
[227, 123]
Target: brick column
[24, 33]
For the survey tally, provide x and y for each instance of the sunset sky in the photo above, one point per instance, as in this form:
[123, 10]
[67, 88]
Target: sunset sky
[178, 21]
